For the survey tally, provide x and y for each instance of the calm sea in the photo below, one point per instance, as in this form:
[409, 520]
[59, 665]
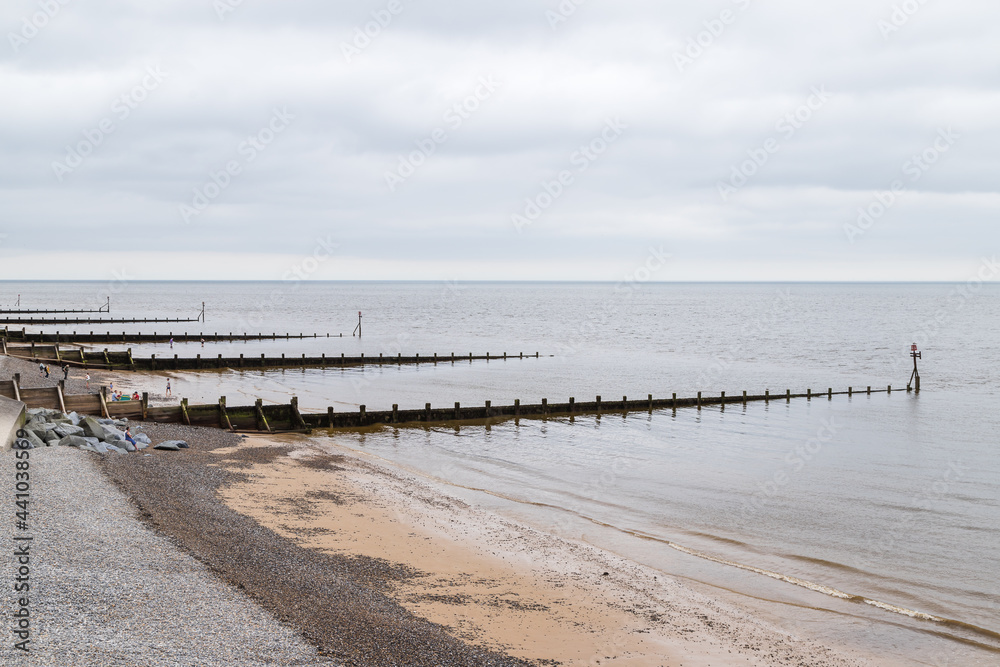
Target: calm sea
[872, 520]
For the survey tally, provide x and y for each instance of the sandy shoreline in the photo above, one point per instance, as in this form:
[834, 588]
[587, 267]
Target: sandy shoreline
[495, 583]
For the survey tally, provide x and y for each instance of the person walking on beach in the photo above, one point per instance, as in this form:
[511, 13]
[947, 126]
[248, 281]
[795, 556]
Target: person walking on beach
[171, 342]
[46, 371]
[168, 387]
[88, 381]
[203, 342]
[41, 369]
[65, 371]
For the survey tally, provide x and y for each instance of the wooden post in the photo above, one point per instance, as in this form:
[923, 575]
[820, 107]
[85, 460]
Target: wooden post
[889, 390]
[329, 416]
[59, 392]
[489, 408]
[598, 405]
[145, 405]
[869, 391]
[427, 412]
[517, 407]
[850, 391]
[744, 397]
[545, 406]
[624, 403]
[184, 412]
[788, 396]
[767, 395]
[395, 413]
[572, 403]
[650, 402]
[829, 393]
[722, 399]
[458, 409]
[675, 400]
[809, 394]
[699, 400]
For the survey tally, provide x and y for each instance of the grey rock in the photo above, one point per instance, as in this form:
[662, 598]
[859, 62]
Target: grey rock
[33, 439]
[124, 444]
[142, 438]
[92, 441]
[74, 441]
[51, 437]
[93, 428]
[68, 429]
[74, 418]
[169, 445]
[100, 448]
[115, 450]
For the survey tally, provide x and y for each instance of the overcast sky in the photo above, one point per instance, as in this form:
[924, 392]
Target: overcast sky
[424, 139]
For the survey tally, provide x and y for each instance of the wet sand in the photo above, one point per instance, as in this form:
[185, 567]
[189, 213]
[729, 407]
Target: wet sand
[494, 583]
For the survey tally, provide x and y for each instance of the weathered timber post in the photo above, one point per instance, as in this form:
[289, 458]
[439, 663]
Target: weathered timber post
[829, 393]
[329, 416]
[675, 400]
[427, 412]
[458, 409]
[184, 412]
[624, 403]
[809, 394]
[916, 373]
[598, 405]
[517, 407]
[889, 390]
[788, 396]
[545, 406]
[850, 392]
[145, 404]
[869, 391]
[395, 413]
[362, 411]
[744, 397]
[152, 362]
[699, 400]
[767, 395]
[572, 403]
[489, 408]
[650, 402]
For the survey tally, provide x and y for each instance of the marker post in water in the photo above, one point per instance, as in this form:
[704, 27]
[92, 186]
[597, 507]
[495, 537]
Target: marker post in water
[916, 373]
[357, 330]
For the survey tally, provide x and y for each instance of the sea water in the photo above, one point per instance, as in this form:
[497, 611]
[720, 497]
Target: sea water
[870, 520]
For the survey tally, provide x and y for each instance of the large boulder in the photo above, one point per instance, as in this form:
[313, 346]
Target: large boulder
[68, 429]
[124, 444]
[171, 445]
[32, 438]
[93, 428]
[115, 450]
[142, 438]
[51, 437]
[74, 441]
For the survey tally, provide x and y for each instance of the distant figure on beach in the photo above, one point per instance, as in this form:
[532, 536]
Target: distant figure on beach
[168, 388]
[88, 381]
[41, 369]
[136, 397]
[128, 437]
[203, 342]
[171, 342]
[46, 371]
[65, 371]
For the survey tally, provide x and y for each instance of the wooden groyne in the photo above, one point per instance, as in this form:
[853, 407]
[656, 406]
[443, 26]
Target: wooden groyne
[126, 361]
[55, 321]
[288, 418]
[109, 338]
